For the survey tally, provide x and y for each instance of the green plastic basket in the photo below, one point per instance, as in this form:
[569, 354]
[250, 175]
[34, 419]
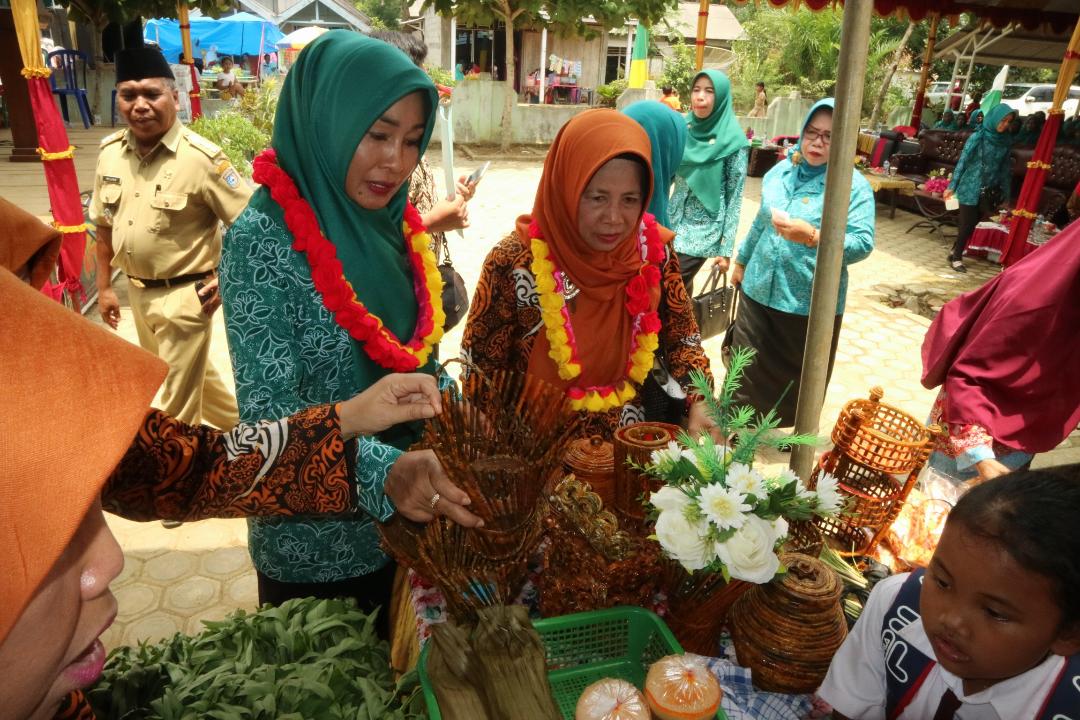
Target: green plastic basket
[585, 647]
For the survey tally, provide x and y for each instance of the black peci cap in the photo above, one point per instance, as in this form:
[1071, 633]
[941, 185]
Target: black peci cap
[141, 63]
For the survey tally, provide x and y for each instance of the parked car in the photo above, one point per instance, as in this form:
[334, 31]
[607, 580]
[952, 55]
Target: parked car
[1030, 98]
[937, 94]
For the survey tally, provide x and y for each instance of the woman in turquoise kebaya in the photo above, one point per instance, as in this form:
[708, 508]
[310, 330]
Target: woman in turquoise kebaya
[776, 261]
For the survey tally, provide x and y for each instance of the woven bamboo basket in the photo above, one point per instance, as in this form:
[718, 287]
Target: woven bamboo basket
[787, 631]
[878, 454]
[879, 436]
[637, 442]
[699, 606]
[501, 441]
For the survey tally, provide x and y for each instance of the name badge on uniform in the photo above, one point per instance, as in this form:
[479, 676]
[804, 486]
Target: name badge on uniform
[228, 174]
[110, 179]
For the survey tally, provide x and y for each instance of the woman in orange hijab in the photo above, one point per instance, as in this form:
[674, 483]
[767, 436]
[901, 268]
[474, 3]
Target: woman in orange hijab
[586, 292]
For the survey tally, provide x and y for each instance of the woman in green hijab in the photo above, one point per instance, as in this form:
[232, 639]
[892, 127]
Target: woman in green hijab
[317, 280]
[709, 183]
[982, 179]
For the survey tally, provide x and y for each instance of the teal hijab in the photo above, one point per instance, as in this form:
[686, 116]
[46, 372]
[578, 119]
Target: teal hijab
[667, 134]
[338, 87]
[988, 132]
[804, 171]
[973, 123]
[710, 140]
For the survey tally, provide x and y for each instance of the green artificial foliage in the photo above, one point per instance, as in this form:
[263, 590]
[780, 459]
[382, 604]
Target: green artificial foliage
[305, 659]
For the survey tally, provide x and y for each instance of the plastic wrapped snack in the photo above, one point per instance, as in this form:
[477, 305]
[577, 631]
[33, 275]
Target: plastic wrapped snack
[681, 687]
[611, 699]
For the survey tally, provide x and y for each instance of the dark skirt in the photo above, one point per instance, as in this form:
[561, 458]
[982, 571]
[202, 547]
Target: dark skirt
[780, 341]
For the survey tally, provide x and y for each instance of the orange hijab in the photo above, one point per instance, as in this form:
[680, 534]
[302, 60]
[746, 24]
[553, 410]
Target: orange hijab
[602, 325]
[27, 246]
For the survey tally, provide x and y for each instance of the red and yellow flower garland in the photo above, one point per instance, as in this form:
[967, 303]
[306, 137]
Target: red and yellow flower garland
[337, 292]
[550, 285]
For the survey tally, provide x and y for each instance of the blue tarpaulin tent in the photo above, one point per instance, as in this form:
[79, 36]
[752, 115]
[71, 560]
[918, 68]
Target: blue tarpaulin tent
[239, 34]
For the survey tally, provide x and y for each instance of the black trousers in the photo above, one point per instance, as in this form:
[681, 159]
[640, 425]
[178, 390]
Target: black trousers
[371, 592]
[967, 218]
[689, 266]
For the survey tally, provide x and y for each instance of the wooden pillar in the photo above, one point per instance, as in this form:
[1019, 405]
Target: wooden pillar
[920, 95]
[702, 29]
[16, 96]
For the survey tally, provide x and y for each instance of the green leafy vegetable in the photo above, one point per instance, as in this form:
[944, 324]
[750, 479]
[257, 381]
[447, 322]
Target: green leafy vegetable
[305, 659]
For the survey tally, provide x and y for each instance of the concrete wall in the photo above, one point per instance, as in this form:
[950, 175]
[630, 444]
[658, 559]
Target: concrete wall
[478, 106]
[785, 117]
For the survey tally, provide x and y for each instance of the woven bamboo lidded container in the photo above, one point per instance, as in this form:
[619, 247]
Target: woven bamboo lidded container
[880, 436]
[592, 460]
[637, 442]
[787, 631]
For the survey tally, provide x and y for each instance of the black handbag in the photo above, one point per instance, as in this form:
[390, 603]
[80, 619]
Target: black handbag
[455, 298]
[714, 306]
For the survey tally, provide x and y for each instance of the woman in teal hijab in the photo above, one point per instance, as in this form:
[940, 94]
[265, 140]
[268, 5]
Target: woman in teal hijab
[775, 266]
[947, 121]
[984, 171]
[709, 182]
[667, 135]
[347, 149]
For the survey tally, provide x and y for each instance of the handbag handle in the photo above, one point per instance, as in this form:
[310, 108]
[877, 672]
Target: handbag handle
[446, 253]
[716, 276]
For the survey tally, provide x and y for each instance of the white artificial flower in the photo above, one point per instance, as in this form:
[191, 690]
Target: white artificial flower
[684, 541]
[829, 499]
[666, 457]
[748, 554]
[670, 499]
[788, 476]
[780, 529]
[746, 480]
[725, 508]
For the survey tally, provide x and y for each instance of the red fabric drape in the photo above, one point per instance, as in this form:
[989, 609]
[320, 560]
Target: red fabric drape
[195, 94]
[63, 187]
[1027, 204]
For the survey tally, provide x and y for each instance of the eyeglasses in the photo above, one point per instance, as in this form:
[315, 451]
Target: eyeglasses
[810, 135]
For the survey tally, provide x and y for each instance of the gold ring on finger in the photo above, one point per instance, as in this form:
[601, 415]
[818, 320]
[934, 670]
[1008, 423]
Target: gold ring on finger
[434, 501]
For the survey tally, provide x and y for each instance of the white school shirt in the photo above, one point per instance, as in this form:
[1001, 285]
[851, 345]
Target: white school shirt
[856, 683]
[226, 78]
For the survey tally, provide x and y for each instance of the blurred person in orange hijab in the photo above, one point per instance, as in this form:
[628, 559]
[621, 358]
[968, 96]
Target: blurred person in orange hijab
[60, 468]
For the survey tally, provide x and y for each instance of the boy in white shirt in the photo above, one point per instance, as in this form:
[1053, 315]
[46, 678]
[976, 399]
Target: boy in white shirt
[991, 631]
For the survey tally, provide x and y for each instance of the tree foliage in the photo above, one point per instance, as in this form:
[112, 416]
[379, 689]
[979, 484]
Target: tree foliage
[384, 14]
[807, 59]
[679, 68]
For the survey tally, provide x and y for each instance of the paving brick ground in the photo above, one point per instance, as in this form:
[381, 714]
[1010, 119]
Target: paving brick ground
[174, 579]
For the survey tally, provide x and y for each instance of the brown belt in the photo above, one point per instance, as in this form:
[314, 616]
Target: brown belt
[148, 283]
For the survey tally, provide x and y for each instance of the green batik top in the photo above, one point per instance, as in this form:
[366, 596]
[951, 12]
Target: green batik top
[699, 232]
[288, 353]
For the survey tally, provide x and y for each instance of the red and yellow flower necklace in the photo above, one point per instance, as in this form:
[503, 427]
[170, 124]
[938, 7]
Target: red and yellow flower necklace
[338, 295]
[551, 284]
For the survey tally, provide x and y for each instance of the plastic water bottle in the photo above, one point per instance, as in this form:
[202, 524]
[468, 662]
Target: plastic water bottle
[885, 167]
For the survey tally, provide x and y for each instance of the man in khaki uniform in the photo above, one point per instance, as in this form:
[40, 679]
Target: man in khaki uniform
[161, 193]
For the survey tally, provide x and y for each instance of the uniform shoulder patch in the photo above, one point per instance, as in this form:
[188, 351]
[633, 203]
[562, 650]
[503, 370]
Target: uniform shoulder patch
[200, 143]
[112, 137]
[227, 172]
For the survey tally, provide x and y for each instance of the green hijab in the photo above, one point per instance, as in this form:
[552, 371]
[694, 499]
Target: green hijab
[988, 132]
[667, 135]
[711, 139]
[340, 85]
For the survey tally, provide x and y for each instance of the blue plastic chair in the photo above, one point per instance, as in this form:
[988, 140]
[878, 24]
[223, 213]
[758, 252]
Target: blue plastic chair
[67, 66]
